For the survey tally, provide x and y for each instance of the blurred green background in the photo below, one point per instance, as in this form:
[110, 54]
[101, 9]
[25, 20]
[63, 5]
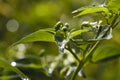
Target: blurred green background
[19, 18]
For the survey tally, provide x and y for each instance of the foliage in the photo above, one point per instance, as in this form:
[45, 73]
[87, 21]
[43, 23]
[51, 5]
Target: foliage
[77, 47]
[41, 35]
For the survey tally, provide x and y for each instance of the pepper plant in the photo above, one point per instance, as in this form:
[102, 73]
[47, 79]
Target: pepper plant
[77, 46]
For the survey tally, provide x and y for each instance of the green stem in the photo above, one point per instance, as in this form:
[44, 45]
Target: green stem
[81, 63]
[77, 70]
[89, 53]
[76, 57]
[114, 21]
[113, 25]
[92, 49]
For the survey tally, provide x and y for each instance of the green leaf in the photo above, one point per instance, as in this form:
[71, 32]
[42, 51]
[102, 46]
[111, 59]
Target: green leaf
[114, 6]
[106, 52]
[40, 35]
[85, 11]
[77, 32]
[6, 65]
[8, 77]
[80, 9]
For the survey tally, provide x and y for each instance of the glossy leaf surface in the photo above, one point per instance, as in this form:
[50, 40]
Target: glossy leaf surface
[106, 52]
[90, 10]
[114, 6]
[45, 35]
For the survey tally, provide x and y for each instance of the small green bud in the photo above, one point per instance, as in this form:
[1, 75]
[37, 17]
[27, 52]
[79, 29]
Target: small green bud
[58, 25]
[65, 27]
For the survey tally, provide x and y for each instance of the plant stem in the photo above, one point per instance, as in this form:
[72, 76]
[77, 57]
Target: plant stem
[114, 20]
[77, 70]
[81, 63]
[113, 23]
[89, 53]
[92, 49]
[76, 57]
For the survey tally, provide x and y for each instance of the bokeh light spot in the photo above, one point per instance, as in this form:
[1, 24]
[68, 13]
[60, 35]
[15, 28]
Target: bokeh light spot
[12, 25]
